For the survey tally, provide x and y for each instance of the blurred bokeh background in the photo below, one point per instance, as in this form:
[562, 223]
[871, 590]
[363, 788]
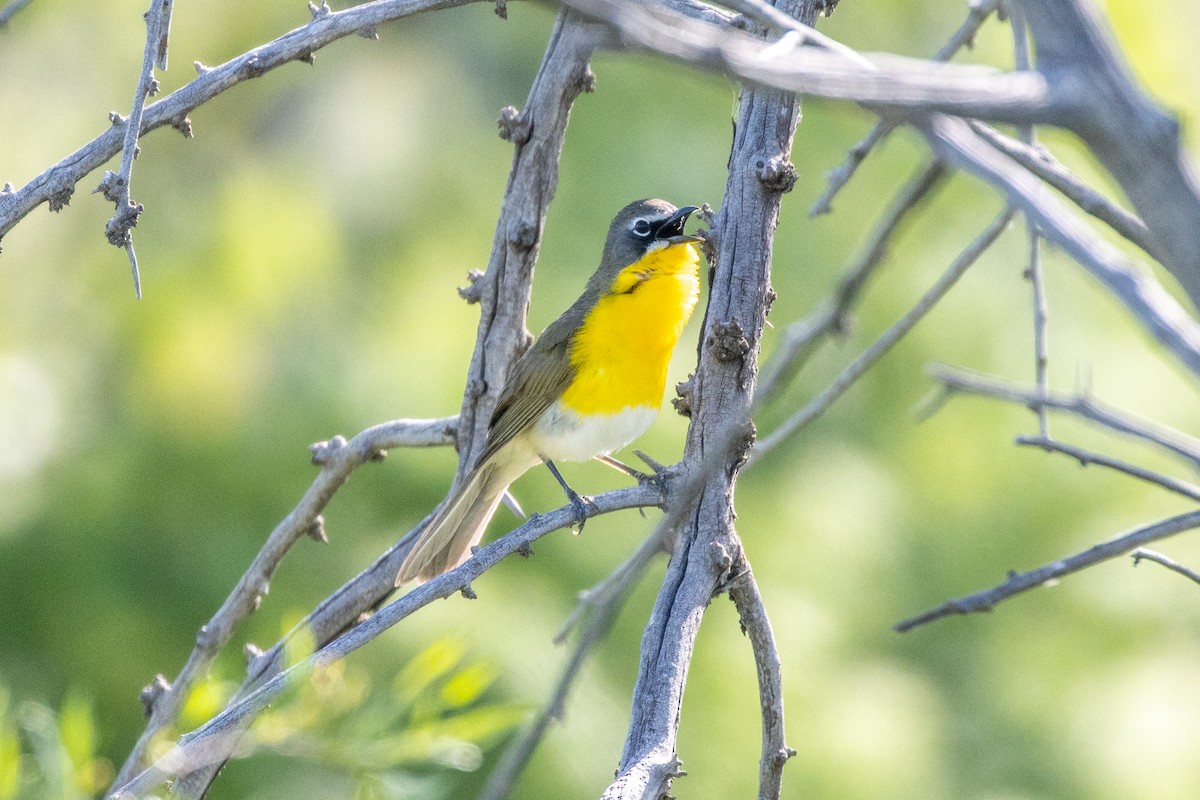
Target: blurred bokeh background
[300, 258]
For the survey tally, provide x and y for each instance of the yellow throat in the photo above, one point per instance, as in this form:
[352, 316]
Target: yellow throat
[621, 351]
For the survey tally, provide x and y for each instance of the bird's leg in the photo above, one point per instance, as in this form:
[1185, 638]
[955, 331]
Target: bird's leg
[578, 501]
[641, 477]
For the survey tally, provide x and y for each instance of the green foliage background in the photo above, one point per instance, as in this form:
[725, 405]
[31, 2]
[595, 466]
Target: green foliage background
[300, 258]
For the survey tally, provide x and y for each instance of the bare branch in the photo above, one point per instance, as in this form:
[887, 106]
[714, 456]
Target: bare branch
[601, 604]
[756, 625]
[1176, 442]
[337, 459]
[1041, 163]
[801, 338]
[1086, 457]
[768, 14]
[56, 183]
[1132, 136]
[884, 343]
[1022, 582]
[897, 85]
[213, 742]
[978, 12]
[1170, 563]
[1150, 304]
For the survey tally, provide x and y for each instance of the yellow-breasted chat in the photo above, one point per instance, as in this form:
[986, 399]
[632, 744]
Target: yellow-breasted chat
[591, 383]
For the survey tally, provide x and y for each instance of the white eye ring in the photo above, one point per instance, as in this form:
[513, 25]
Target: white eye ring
[640, 227]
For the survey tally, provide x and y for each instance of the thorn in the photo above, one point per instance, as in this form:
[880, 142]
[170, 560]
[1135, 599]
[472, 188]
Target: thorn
[110, 186]
[468, 592]
[152, 691]
[253, 653]
[316, 530]
[321, 11]
[201, 70]
[116, 119]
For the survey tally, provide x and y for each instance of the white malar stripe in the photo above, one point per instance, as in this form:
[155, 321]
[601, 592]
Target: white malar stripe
[561, 434]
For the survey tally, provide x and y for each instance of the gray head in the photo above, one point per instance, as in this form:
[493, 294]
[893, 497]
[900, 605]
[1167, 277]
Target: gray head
[639, 227]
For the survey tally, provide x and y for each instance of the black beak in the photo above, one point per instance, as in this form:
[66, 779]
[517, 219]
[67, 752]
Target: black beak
[671, 229]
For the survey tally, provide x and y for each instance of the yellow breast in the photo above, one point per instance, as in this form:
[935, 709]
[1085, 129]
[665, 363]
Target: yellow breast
[621, 351]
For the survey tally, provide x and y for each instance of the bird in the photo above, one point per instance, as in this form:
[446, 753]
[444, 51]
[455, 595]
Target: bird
[590, 384]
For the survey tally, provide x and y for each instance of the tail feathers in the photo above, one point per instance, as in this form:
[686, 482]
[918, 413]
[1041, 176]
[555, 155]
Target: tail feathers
[447, 541]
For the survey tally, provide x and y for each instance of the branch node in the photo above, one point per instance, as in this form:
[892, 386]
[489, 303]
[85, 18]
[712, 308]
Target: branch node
[201, 70]
[126, 219]
[253, 653]
[116, 119]
[525, 550]
[152, 691]
[522, 234]
[322, 452]
[502, 9]
[777, 173]
[685, 398]
[7, 189]
[309, 58]
[110, 185]
[514, 126]
[152, 87]
[321, 11]
[473, 291]
[316, 530]
[728, 341]
[183, 124]
[467, 592]
[370, 32]
[585, 80]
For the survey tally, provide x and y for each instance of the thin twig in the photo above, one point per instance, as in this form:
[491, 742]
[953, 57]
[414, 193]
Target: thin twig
[978, 12]
[800, 339]
[956, 381]
[1141, 293]
[1041, 163]
[753, 615]
[884, 343]
[10, 9]
[337, 459]
[1170, 563]
[1041, 359]
[212, 744]
[119, 229]
[1022, 582]
[1086, 457]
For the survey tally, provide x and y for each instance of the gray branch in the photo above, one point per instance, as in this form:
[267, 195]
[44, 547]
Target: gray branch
[212, 743]
[1086, 457]
[10, 9]
[1019, 582]
[337, 459]
[1143, 553]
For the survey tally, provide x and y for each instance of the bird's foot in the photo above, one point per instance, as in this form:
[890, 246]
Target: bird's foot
[584, 507]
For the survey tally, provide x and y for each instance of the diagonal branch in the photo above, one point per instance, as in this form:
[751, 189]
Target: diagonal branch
[1145, 298]
[1019, 582]
[956, 381]
[819, 404]
[977, 14]
[213, 742]
[1143, 553]
[1086, 457]
[337, 459]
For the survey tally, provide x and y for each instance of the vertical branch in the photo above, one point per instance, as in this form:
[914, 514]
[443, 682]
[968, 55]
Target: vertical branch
[707, 547]
[1041, 360]
[503, 293]
[116, 186]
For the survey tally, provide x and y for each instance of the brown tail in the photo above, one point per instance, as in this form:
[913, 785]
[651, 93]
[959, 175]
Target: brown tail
[447, 540]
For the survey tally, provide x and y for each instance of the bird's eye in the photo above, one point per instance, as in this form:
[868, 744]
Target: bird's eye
[641, 227]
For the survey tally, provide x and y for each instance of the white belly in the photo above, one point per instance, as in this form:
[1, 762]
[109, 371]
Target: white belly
[561, 434]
